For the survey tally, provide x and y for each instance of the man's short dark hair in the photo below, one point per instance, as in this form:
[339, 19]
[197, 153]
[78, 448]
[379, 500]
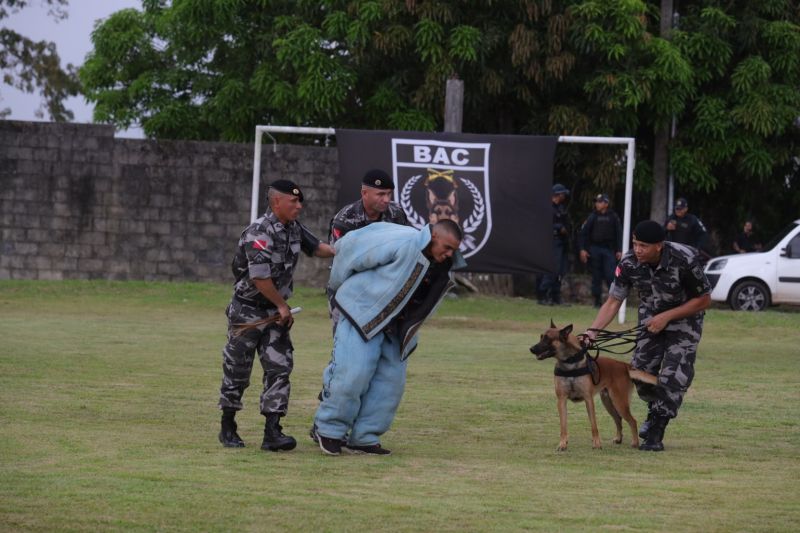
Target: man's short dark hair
[449, 227]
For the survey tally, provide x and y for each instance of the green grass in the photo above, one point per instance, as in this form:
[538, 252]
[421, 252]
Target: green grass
[109, 421]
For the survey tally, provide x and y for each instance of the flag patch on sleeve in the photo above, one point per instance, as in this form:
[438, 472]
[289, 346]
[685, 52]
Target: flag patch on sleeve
[260, 244]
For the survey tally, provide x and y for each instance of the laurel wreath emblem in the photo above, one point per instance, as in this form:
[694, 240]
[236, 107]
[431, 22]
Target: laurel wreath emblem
[405, 203]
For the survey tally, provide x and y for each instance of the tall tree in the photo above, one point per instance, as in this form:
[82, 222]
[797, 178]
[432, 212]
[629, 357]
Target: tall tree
[29, 65]
[213, 69]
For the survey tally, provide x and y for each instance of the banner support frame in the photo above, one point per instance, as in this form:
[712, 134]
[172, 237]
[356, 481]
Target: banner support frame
[630, 160]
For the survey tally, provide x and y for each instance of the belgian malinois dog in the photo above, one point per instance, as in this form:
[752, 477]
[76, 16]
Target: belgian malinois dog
[578, 376]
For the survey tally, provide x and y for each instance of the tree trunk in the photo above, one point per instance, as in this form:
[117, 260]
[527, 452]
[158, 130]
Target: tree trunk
[658, 196]
[453, 105]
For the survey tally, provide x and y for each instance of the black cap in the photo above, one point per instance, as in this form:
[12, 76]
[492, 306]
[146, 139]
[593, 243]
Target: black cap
[287, 187]
[649, 231]
[560, 189]
[377, 179]
[681, 202]
[601, 198]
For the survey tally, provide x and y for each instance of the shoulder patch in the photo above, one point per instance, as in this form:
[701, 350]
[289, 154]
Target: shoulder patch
[617, 271]
[261, 244]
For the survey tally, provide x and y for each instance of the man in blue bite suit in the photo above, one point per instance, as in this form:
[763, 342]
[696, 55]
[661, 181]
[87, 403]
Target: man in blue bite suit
[387, 279]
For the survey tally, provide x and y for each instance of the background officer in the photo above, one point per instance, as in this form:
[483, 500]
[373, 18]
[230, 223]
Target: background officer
[673, 296]
[263, 266]
[600, 244]
[684, 227]
[549, 288]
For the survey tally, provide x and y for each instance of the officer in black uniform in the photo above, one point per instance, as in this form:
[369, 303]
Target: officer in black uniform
[263, 266]
[549, 288]
[684, 227]
[600, 244]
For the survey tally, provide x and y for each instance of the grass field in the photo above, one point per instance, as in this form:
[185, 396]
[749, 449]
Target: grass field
[109, 422]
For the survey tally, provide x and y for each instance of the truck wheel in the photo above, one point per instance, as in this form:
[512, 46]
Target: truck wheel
[749, 295]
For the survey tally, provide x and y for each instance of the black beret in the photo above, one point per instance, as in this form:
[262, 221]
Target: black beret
[377, 179]
[287, 187]
[649, 231]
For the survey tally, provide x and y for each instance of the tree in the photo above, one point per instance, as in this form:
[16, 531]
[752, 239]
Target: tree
[213, 69]
[30, 65]
[729, 75]
[207, 70]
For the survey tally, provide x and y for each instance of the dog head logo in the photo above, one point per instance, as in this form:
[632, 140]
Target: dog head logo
[442, 197]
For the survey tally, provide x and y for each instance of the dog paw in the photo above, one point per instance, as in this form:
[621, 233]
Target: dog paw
[561, 448]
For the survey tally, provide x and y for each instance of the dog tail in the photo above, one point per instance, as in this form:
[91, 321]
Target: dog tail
[644, 377]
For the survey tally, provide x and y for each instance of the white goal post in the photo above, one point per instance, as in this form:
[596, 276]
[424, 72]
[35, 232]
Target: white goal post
[328, 132]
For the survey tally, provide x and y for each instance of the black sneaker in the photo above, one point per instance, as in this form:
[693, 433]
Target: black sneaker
[329, 446]
[372, 449]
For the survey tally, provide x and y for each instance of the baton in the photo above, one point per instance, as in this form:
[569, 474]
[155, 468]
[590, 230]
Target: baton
[240, 328]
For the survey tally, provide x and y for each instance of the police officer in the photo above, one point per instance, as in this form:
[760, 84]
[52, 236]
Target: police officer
[684, 227]
[600, 240]
[375, 205]
[550, 284]
[263, 266]
[674, 294]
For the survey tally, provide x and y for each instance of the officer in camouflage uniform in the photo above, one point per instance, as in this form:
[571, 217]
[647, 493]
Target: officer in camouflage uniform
[374, 206]
[263, 266]
[674, 294]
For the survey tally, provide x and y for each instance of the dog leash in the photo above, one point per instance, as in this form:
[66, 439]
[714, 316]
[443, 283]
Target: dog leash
[605, 340]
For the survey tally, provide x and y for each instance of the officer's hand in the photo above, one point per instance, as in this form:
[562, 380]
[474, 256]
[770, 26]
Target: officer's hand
[618, 255]
[671, 225]
[286, 319]
[588, 337]
[584, 256]
[657, 323]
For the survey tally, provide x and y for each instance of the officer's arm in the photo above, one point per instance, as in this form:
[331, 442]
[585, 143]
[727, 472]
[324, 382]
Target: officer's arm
[267, 288]
[605, 315]
[583, 234]
[311, 245]
[689, 308]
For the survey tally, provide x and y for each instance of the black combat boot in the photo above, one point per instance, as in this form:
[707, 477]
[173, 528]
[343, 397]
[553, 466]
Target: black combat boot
[655, 435]
[647, 423]
[227, 435]
[274, 439]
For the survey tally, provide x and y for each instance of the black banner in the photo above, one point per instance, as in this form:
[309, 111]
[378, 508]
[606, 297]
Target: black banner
[497, 187]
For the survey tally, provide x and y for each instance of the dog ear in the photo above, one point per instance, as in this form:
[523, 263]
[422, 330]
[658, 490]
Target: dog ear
[564, 333]
[552, 324]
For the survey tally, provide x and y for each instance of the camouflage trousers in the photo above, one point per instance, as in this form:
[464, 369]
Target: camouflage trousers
[275, 351]
[671, 355]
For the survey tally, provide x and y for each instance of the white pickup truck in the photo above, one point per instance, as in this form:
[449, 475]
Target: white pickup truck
[756, 280]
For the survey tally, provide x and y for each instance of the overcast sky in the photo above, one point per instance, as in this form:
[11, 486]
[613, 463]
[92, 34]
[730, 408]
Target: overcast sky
[73, 42]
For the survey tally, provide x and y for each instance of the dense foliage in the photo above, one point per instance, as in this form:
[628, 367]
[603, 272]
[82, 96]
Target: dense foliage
[727, 75]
